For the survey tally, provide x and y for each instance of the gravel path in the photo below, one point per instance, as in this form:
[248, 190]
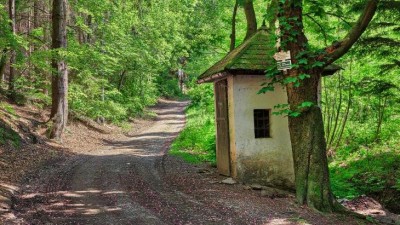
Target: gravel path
[134, 181]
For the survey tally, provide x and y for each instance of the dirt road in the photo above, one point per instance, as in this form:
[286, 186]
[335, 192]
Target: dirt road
[133, 181]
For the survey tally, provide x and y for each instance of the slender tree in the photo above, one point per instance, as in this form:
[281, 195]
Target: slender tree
[307, 130]
[250, 18]
[59, 83]
[3, 63]
[11, 76]
[233, 34]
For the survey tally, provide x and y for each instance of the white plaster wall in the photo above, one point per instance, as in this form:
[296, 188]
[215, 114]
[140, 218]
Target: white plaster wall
[267, 161]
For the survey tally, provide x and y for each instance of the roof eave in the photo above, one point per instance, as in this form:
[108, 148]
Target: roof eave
[213, 78]
[225, 73]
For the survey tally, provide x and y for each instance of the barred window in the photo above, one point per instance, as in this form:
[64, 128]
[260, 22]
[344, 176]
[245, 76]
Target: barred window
[262, 123]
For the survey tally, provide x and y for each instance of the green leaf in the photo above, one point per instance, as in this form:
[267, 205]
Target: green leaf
[281, 106]
[294, 114]
[306, 104]
[289, 80]
[304, 76]
[266, 89]
[318, 64]
[303, 61]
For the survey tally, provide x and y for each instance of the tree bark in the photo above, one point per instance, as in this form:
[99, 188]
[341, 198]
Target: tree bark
[3, 63]
[121, 80]
[233, 34]
[307, 130]
[272, 15]
[309, 148]
[36, 24]
[250, 18]
[11, 77]
[59, 110]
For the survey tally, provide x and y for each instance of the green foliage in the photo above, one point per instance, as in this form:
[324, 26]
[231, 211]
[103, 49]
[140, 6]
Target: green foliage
[120, 53]
[7, 108]
[368, 170]
[167, 86]
[8, 135]
[196, 143]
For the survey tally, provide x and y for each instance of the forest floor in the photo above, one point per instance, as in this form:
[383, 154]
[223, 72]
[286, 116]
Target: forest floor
[102, 175]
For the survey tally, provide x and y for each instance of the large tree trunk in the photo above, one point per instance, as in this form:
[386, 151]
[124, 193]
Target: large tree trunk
[250, 18]
[59, 110]
[309, 148]
[11, 77]
[307, 130]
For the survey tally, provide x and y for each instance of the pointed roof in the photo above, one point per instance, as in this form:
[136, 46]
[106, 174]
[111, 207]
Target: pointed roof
[253, 56]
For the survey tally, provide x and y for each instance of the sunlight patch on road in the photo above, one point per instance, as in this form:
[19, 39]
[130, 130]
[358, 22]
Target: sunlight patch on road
[278, 222]
[76, 205]
[114, 192]
[9, 187]
[72, 195]
[92, 211]
[32, 195]
[113, 209]
[92, 191]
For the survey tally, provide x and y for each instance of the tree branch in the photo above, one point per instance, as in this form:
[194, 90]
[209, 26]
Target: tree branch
[320, 27]
[339, 17]
[233, 34]
[338, 49]
[250, 18]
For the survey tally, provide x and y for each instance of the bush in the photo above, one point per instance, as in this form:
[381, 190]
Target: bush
[368, 170]
[196, 143]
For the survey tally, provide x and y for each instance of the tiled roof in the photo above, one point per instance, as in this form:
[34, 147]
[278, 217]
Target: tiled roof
[253, 55]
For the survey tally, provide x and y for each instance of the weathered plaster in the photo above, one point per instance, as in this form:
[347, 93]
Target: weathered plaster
[232, 123]
[267, 161]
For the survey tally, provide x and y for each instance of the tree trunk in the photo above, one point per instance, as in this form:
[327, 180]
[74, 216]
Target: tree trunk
[250, 18]
[59, 111]
[309, 148]
[121, 80]
[47, 30]
[233, 34]
[89, 24]
[307, 130]
[3, 64]
[36, 24]
[11, 77]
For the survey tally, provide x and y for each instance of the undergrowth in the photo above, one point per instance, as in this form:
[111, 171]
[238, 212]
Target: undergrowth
[196, 143]
[8, 135]
[367, 170]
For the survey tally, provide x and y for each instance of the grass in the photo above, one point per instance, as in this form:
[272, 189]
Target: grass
[8, 135]
[196, 143]
[366, 170]
[7, 108]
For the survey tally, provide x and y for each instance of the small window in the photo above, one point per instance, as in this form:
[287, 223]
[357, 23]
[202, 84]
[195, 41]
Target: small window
[261, 123]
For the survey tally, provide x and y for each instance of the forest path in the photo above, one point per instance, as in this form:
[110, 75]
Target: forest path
[123, 183]
[134, 181]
